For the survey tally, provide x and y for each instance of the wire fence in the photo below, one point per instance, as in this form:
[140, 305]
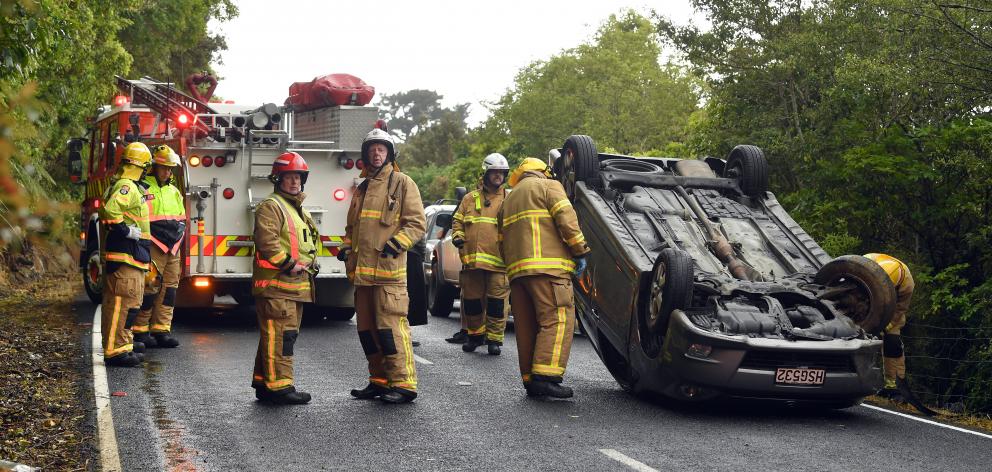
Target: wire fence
[950, 366]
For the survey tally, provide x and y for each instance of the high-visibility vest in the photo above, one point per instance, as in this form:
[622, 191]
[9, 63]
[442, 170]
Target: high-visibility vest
[298, 240]
[124, 203]
[167, 214]
[474, 222]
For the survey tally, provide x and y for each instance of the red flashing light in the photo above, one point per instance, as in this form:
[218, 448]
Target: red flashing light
[346, 163]
[120, 100]
[220, 161]
[339, 194]
[96, 203]
[360, 164]
[207, 161]
[229, 193]
[182, 120]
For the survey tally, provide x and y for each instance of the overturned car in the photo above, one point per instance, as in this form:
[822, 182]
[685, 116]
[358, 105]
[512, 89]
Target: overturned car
[700, 285]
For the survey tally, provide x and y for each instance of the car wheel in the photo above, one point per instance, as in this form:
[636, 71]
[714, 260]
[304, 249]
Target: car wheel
[861, 289]
[93, 276]
[671, 289]
[581, 163]
[442, 295]
[747, 164]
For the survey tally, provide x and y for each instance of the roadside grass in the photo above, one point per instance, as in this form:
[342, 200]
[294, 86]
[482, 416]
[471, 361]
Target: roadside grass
[979, 422]
[44, 396]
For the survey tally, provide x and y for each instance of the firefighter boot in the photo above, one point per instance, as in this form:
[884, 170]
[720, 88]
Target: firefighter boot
[473, 342]
[458, 338]
[494, 348]
[165, 340]
[288, 396]
[398, 395]
[138, 347]
[542, 386]
[370, 391]
[146, 339]
[128, 359]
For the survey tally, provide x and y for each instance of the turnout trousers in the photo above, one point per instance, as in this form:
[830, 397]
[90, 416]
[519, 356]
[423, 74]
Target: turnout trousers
[484, 295]
[384, 333]
[158, 303]
[893, 355]
[278, 326]
[544, 320]
[121, 301]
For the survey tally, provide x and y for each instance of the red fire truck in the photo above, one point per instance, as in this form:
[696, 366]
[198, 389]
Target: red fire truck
[227, 151]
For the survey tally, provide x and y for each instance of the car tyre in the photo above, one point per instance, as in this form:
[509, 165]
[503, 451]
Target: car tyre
[442, 296]
[747, 164]
[671, 289]
[874, 294]
[93, 276]
[581, 163]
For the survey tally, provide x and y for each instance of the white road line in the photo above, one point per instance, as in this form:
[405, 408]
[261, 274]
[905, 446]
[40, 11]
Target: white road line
[922, 420]
[422, 360]
[627, 461]
[110, 458]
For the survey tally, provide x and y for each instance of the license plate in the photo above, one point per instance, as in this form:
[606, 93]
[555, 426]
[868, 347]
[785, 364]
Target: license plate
[800, 376]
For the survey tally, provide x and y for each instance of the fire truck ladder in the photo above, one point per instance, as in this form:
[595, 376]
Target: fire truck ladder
[166, 101]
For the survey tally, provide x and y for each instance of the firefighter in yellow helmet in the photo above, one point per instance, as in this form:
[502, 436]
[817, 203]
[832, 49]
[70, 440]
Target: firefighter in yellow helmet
[282, 278]
[542, 247]
[893, 358]
[483, 276]
[127, 255]
[385, 219]
[167, 213]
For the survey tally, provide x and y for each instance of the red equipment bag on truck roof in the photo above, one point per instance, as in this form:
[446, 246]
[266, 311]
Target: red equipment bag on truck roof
[329, 90]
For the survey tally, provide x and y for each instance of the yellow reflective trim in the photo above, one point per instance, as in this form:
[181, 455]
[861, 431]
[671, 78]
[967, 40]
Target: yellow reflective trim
[480, 330]
[559, 337]
[535, 238]
[125, 258]
[139, 329]
[121, 350]
[373, 214]
[480, 219]
[279, 384]
[542, 369]
[483, 257]
[561, 205]
[271, 351]
[112, 221]
[540, 263]
[478, 203]
[161, 328]
[525, 214]
[108, 350]
[458, 216]
[579, 238]
[410, 383]
[405, 241]
[386, 274]
[298, 286]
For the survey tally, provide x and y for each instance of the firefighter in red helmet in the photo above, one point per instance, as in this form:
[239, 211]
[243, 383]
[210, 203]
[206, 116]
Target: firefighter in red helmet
[285, 259]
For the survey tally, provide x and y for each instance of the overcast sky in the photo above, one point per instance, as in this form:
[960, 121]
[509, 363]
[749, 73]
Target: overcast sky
[467, 51]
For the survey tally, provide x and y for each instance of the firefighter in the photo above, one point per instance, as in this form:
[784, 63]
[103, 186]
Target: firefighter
[282, 278]
[385, 219]
[126, 257]
[542, 247]
[483, 276]
[168, 225]
[893, 358]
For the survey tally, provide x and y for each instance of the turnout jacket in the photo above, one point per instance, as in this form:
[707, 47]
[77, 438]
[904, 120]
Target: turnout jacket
[539, 233]
[475, 222]
[124, 206]
[385, 206]
[167, 213]
[284, 235]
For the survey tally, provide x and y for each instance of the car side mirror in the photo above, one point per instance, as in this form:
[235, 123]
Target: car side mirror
[444, 221]
[75, 160]
[460, 193]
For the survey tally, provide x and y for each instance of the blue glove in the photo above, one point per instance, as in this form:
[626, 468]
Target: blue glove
[580, 266]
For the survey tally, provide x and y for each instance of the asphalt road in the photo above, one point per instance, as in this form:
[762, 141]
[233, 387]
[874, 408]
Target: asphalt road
[192, 408]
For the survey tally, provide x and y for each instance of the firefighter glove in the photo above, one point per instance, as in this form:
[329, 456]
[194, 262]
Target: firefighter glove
[343, 253]
[391, 248]
[580, 266]
[458, 242]
[133, 232]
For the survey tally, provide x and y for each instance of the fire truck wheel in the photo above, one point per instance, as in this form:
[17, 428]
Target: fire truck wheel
[93, 276]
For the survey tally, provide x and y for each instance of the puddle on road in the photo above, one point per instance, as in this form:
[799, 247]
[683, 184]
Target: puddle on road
[178, 456]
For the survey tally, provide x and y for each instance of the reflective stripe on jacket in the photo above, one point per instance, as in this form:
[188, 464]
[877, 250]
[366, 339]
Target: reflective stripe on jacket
[167, 213]
[475, 222]
[124, 206]
[285, 235]
[384, 207]
[539, 233]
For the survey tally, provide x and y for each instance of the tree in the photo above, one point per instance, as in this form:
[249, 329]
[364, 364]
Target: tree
[411, 111]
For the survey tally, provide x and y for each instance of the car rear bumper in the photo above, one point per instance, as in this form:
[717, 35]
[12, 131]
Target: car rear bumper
[740, 366]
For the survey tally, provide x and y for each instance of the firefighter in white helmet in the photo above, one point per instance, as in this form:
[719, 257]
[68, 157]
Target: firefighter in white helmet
[126, 257]
[483, 276]
[285, 258]
[167, 213]
[386, 218]
[893, 357]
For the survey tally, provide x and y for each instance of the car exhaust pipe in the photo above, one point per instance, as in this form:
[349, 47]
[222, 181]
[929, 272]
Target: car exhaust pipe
[719, 244]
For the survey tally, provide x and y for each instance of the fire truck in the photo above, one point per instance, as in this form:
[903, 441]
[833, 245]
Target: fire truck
[226, 151]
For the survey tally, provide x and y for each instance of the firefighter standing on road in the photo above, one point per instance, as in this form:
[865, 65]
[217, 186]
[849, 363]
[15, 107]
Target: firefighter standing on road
[893, 358]
[542, 246]
[126, 257]
[483, 276]
[168, 224]
[385, 219]
[285, 258]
